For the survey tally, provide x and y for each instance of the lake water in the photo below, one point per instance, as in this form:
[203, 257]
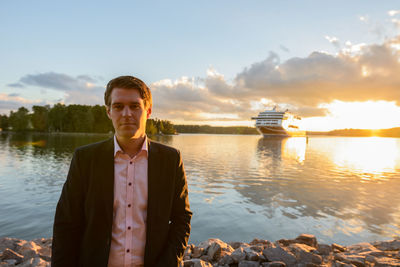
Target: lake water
[341, 189]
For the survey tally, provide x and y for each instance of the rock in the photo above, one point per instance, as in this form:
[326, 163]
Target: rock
[324, 249]
[386, 262]
[238, 255]
[249, 264]
[387, 245]
[284, 242]
[338, 247]
[197, 252]
[34, 262]
[196, 263]
[216, 247]
[6, 242]
[274, 264]
[28, 249]
[279, 254]
[304, 253]
[9, 254]
[309, 240]
[257, 241]
[342, 264]
[252, 255]
[354, 259]
[205, 258]
[235, 245]
[226, 259]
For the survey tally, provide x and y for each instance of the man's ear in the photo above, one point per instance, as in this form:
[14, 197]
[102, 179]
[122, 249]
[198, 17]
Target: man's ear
[108, 112]
[148, 112]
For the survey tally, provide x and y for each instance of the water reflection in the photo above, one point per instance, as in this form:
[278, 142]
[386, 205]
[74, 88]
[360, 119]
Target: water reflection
[343, 188]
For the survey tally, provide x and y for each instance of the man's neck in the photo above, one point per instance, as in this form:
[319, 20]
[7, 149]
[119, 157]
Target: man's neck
[131, 146]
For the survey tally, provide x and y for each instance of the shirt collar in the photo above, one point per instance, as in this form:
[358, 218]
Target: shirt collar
[144, 148]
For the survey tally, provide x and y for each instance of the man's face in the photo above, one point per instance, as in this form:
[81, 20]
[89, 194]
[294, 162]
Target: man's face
[128, 113]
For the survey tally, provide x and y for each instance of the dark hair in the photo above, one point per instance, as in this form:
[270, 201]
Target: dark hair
[128, 82]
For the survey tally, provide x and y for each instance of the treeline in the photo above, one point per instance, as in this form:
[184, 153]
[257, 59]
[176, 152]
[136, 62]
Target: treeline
[215, 129]
[71, 118]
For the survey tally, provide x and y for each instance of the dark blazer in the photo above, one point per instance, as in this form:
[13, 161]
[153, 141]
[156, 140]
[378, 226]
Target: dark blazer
[84, 215]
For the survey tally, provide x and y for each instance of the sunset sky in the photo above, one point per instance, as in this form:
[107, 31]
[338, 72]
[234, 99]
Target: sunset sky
[336, 64]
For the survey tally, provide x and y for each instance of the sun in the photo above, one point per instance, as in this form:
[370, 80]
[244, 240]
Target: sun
[356, 115]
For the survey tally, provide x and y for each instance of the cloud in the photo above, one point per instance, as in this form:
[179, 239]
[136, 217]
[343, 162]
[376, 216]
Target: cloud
[16, 85]
[393, 12]
[82, 89]
[14, 101]
[358, 72]
[333, 40]
[284, 48]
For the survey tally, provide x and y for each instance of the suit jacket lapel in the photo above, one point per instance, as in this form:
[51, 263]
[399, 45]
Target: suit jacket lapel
[106, 172]
[153, 172]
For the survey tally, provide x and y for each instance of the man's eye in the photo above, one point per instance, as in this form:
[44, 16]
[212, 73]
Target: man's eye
[117, 107]
[134, 106]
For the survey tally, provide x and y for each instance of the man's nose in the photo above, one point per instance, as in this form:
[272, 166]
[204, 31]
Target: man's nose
[126, 111]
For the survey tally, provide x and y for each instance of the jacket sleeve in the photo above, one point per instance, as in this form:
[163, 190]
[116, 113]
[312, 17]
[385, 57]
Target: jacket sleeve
[179, 229]
[69, 219]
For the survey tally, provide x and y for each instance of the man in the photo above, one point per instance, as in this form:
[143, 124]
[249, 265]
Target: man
[125, 200]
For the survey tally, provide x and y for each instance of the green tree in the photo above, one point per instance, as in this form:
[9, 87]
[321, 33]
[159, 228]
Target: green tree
[56, 117]
[151, 128]
[19, 121]
[40, 118]
[4, 122]
[101, 122]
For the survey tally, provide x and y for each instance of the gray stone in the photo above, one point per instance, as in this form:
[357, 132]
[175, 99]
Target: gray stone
[226, 259]
[257, 241]
[304, 253]
[249, 264]
[252, 255]
[238, 254]
[387, 245]
[386, 262]
[274, 264]
[196, 263]
[197, 252]
[307, 239]
[28, 249]
[9, 254]
[354, 259]
[343, 264]
[279, 254]
[34, 262]
[206, 258]
[324, 249]
[6, 242]
[216, 247]
[235, 245]
[338, 247]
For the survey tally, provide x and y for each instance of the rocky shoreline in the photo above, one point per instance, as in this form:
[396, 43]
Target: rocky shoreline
[303, 251]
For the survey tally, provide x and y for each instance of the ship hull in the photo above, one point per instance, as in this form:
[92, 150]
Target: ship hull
[271, 131]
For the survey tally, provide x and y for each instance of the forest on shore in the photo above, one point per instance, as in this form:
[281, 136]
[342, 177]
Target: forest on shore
[93, 119]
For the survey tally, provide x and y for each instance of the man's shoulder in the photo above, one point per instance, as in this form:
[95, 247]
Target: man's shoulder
[163, 148]
[94, 147]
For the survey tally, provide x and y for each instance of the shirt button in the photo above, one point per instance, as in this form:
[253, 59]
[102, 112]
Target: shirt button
[127, 250]
[130, 162]
[130, 184]
[129, 205]
[129, 228]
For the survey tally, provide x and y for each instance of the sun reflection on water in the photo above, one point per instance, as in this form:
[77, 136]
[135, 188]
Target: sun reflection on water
[368, 157]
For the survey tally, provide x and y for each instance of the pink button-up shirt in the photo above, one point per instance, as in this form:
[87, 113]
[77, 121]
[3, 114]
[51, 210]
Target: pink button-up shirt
[130, 208]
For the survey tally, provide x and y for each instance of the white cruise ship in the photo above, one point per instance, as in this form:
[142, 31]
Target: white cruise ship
[278, 123]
